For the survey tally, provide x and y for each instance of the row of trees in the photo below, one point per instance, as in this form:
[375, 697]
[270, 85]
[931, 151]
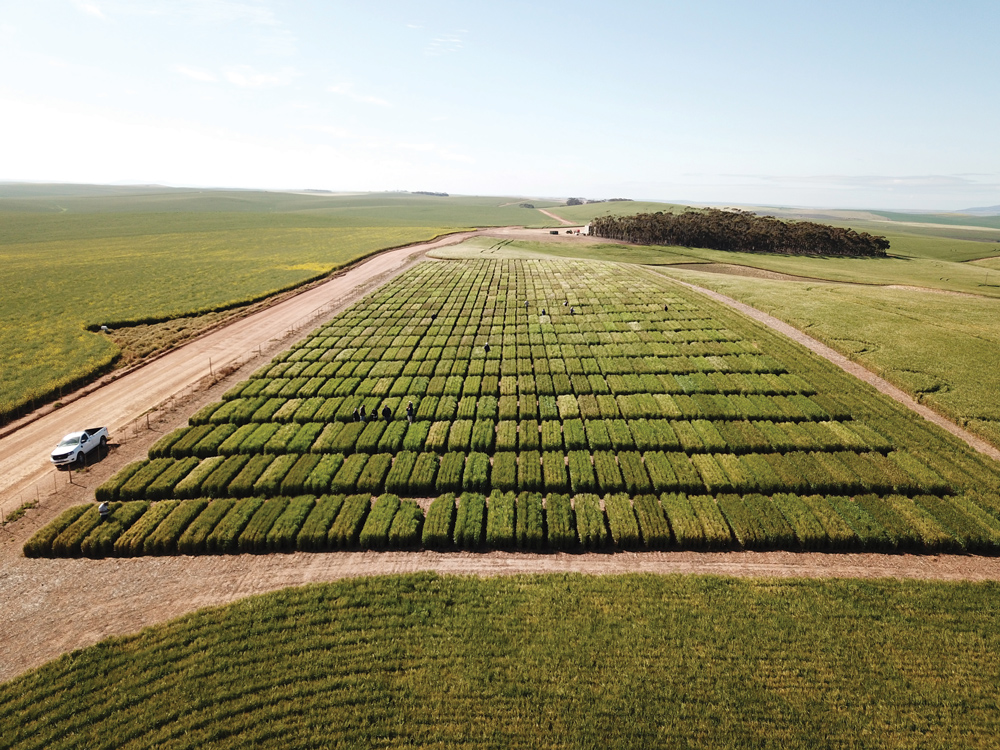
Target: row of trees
[738, 231]
[582, 201]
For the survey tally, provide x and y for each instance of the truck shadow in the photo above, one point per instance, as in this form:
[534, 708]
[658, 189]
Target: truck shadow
[89, 459]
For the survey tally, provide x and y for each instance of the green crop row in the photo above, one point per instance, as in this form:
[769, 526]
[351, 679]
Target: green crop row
[647, 400]
[392, 344]
[923, 523]
[413, 474]
[294, 399]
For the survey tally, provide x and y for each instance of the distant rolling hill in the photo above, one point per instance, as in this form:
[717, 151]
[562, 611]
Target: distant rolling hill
[984, 211]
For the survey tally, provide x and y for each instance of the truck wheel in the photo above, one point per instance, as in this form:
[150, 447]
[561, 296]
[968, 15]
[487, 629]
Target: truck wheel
[104, 443]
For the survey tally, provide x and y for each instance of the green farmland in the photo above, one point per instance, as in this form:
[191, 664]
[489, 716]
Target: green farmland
[558, 405]
[596, 405]
[529, 662]
[90, 257]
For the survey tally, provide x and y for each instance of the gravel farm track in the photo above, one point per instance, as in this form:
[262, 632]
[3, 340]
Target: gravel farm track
[51, 607]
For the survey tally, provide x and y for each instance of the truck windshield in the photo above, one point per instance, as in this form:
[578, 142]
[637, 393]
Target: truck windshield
[69, 440]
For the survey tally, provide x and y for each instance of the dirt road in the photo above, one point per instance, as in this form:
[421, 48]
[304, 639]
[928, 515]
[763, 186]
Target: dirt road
[54, 606]
[560, 219]
[24, 454]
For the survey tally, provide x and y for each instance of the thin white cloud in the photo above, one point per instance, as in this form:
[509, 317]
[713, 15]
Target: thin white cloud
[416, 146]
[347, 90]
[89, 8]
[450, 155]
[196, 74]
[382, 146]
[445, 44]
[245, 76]
[208, 11]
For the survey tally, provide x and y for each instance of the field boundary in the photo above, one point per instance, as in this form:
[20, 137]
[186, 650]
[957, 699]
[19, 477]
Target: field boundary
[847, 365]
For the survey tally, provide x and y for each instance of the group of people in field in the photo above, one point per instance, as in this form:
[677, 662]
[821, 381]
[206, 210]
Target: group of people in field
[359, 415]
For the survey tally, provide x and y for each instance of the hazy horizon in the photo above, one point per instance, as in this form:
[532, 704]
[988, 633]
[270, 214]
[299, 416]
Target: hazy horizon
[856, 105]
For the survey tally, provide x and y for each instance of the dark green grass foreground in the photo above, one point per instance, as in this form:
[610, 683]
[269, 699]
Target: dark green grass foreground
[555, 661]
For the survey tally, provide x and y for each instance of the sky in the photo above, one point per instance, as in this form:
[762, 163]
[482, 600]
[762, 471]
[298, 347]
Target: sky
[878, 104]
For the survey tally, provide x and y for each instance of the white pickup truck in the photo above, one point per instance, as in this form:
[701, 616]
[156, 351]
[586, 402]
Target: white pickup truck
[76, 445]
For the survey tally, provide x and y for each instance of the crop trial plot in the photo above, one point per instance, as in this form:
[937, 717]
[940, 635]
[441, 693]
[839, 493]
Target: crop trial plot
[543, 405]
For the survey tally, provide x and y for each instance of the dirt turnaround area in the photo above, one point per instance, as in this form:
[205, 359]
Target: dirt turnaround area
[51, 607]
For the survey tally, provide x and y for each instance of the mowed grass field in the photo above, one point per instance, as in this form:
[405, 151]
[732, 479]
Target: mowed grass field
[532, 662]
[77, 257]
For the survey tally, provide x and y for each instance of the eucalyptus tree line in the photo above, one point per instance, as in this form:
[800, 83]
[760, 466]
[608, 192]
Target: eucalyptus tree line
[739, 231]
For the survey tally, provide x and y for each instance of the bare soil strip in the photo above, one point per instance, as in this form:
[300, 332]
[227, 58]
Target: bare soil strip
[560, 219]
[880, 384]
[54, 606]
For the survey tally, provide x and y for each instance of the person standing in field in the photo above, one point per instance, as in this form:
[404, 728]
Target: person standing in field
[409, 412]
[387, 413]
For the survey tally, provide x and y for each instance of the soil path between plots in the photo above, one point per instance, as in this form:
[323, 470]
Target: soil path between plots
[55, 606]
[851, 367]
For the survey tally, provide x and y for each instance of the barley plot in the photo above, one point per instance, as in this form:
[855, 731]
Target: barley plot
[586, 378]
